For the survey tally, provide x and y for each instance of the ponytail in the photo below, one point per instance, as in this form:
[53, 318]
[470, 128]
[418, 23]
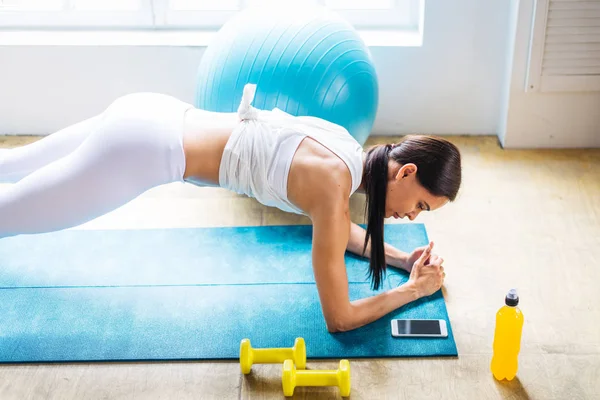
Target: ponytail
[375, 174]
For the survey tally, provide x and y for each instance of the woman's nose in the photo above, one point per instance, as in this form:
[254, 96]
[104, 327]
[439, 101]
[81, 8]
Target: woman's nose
[413, 215]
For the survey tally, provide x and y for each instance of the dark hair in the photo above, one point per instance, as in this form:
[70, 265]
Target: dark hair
[438, 170]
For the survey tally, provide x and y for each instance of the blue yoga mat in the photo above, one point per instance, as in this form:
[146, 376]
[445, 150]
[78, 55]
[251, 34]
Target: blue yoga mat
[188, 294]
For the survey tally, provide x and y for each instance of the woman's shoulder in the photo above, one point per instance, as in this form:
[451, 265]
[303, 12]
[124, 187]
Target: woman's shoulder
[318, 177]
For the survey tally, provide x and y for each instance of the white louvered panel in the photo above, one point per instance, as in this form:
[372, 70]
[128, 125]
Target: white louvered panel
[576, 25]
[568, 55]
[575, 14]
[574, 30]
[581, 48]
[565, 48]
[571, 63]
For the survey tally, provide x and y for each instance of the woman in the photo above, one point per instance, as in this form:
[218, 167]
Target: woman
[303, 165]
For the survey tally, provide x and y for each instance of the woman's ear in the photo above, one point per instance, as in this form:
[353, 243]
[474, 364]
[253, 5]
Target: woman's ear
[407, 170]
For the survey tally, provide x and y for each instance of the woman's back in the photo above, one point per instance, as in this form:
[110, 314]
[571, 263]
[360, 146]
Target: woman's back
[254, 152]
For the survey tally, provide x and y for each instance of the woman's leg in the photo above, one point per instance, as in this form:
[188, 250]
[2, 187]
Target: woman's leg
[18, 162]
[128, 152]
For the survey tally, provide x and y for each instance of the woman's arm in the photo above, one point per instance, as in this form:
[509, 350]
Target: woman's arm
[320, 186]
[331, 232]
[393, 256]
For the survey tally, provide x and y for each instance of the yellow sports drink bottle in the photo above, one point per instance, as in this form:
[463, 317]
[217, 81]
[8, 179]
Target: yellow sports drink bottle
[507, 338]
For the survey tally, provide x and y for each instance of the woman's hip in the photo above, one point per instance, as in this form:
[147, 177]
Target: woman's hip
[148, 128]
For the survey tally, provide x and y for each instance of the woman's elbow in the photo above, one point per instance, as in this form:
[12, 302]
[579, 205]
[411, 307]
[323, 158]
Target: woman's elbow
[339, 324]
[333, 327]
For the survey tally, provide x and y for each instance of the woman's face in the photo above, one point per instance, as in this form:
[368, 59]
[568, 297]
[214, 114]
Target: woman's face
[406, 197]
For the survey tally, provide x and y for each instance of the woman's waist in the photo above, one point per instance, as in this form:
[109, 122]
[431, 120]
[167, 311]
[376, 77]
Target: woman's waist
[205, 137]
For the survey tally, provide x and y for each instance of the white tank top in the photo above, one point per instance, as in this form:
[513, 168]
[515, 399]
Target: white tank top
[257, 157]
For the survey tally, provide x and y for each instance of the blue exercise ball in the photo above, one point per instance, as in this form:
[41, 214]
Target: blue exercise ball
[306, 61]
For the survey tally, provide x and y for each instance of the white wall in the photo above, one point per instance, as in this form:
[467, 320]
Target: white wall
[543, 120]
[453, 84]
[42, 89]
[512, 23]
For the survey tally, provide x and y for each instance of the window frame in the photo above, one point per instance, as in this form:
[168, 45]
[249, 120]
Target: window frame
[361, 19]
[156, 15]
[69, 18]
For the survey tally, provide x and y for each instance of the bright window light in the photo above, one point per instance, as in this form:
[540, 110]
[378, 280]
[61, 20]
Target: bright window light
[31, 5]
[106, 5]
[198, 5]
[205, 15]
[360, 4]
[266, 3]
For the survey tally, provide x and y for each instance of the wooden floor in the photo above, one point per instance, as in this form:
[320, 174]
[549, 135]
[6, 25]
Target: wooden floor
[524, 219]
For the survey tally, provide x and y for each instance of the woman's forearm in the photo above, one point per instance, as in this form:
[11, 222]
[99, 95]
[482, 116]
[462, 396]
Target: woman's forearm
[369, 309]
[393, 256]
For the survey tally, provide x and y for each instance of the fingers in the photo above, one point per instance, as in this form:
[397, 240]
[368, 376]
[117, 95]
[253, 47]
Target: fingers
[440, 268]
[436, 264]
[436, 260]
[425, 255]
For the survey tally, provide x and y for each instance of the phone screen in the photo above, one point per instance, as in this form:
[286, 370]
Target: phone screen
[415, 326]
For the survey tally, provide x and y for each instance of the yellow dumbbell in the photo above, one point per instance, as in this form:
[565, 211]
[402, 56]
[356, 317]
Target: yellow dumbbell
[339, 377]
[250, 356]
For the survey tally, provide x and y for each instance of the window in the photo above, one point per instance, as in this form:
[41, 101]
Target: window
[565, 47]
[189, 14]
[36, 14]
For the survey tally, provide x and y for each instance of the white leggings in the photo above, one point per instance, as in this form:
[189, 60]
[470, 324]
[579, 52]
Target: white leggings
[93, 167]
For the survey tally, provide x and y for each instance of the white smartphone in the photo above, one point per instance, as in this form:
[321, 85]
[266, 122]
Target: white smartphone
[419, 328]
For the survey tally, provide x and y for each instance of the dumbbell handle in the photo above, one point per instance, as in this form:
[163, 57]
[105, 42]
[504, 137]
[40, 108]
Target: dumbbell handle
[292, 378]
[317, 378]
[272, 355]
